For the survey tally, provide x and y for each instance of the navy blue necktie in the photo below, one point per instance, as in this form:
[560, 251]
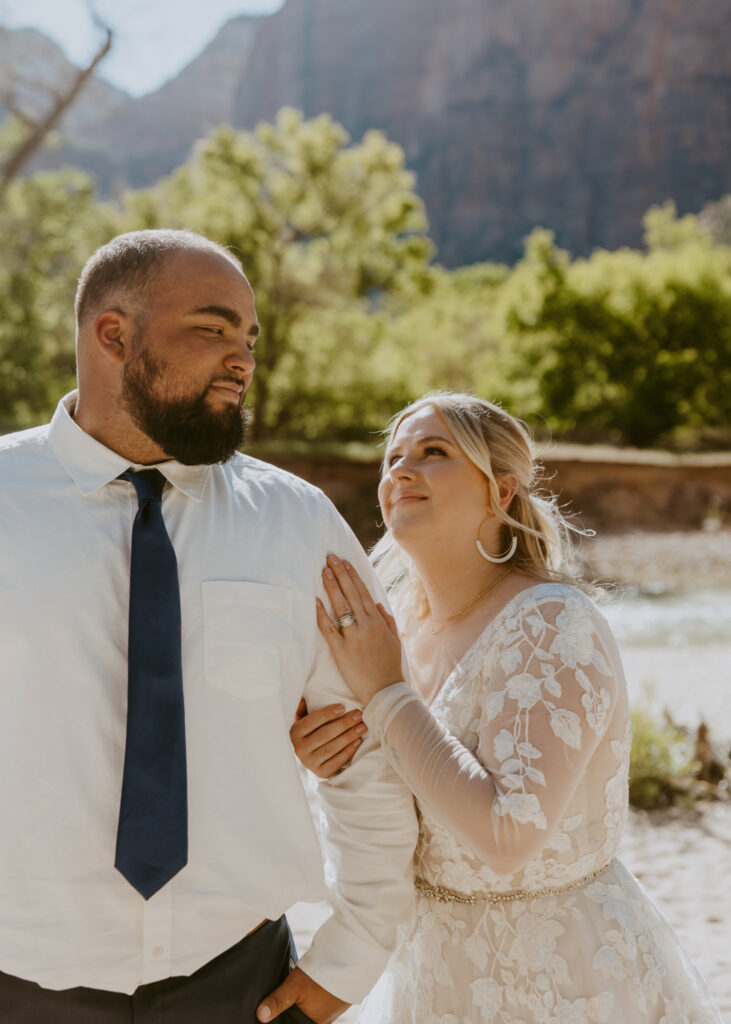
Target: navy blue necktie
[152, 836]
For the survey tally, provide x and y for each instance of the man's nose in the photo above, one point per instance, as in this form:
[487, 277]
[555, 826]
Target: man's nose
[241, 360]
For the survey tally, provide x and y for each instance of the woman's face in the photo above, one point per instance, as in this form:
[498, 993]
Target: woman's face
[429, 488]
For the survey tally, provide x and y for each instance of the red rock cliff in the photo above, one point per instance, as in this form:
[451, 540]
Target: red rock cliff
[573, 114]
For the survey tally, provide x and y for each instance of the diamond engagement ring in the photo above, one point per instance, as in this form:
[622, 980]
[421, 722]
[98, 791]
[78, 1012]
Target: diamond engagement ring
[346, 620]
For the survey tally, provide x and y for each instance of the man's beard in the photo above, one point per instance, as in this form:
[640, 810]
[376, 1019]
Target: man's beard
[187, 429]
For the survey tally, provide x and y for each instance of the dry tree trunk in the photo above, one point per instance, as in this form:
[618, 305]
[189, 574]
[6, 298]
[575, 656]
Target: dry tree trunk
[39, 128]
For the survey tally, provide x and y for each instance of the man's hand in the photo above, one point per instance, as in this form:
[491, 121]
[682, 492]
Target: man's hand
[299, 990]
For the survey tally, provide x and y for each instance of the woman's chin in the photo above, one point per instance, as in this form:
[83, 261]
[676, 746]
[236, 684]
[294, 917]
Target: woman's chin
[407, 530]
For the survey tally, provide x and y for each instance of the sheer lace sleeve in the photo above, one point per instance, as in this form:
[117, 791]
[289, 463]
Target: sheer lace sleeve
[546, 703]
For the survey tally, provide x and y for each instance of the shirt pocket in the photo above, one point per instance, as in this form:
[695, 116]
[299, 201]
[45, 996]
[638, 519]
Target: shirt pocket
[247, 629]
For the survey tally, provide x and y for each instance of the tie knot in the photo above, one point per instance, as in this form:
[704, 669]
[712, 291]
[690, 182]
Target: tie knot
[147, 482]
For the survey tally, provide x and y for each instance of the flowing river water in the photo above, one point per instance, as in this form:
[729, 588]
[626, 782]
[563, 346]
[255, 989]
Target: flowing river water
[676, 649]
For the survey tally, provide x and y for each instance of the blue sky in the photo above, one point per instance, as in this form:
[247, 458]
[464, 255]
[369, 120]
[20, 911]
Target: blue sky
[154, 38]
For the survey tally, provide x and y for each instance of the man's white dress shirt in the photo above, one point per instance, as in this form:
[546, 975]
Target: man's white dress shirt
[251, 542]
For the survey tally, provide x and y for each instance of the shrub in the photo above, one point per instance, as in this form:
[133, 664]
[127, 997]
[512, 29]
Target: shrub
[659, 759]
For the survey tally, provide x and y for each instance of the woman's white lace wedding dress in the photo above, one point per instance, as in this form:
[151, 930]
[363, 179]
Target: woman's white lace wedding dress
[566, 934]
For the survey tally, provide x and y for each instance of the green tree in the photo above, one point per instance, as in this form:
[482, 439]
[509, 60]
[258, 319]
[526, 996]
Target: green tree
[665, 230]
[326, 231]
[716, 219]
[452, 338]
[49, 224]
[627, 346]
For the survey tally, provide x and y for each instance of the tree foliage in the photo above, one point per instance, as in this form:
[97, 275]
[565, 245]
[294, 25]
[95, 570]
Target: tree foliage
[49, 225]
[632, 346]
[627, 346]
[325, 231]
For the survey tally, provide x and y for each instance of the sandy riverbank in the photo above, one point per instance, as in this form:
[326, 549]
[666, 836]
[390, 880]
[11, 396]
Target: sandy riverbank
[687, 560]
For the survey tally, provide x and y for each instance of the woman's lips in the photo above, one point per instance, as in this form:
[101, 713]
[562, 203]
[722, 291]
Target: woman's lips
[408, 498]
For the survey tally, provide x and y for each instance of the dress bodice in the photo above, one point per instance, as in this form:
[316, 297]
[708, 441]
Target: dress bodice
[540, 701]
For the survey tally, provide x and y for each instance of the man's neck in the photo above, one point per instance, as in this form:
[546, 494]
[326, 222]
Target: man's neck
[118, 433]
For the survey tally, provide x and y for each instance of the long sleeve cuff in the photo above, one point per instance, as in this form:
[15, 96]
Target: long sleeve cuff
[345, 964]
[385, 705]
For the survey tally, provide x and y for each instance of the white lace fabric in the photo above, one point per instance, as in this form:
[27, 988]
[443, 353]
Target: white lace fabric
[519, 768]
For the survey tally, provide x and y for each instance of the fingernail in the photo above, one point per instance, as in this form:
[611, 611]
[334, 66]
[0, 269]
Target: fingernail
[329, 573]
[360, 728]
[347, 565]
[333, 560]
[338, 709]
[357, 715]
[265, 1013]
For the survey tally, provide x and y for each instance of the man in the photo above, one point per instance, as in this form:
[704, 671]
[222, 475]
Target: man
[158, 633]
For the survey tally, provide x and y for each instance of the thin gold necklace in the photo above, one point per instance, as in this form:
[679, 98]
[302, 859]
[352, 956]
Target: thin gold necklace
[472, 603]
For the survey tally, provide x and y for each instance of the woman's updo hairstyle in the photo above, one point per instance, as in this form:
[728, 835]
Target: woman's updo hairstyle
[499, 445]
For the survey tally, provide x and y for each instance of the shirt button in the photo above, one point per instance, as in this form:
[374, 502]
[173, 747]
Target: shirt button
[157, 952]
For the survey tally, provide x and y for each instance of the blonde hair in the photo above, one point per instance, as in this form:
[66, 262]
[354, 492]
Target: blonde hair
[498, 444]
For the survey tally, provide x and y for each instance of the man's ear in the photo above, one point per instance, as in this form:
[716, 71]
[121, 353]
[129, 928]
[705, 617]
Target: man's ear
[113, 333]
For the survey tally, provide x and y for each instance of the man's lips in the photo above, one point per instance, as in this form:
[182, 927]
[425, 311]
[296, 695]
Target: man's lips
[230, 387]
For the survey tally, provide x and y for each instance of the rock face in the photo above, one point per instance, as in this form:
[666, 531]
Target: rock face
[155, 133]
[573, 114]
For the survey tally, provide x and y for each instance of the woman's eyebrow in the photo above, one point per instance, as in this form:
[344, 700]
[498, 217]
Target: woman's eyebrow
[434, 437]
[423, 440]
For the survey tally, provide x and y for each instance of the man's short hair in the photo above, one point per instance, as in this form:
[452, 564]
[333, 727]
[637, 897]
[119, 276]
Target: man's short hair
[131, 264]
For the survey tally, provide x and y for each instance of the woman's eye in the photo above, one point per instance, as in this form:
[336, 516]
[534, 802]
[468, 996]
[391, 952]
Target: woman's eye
[391, 459]
[433, 450]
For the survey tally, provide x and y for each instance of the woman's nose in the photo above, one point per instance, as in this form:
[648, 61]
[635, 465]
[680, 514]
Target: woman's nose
[402, 469]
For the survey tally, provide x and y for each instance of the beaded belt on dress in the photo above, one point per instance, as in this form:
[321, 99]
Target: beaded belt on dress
[444, 895]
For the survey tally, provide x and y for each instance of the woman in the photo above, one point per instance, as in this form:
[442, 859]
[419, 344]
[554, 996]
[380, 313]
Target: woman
[514, 739]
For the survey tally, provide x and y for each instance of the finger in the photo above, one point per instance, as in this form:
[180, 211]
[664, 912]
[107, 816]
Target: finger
[389, 620]
[330, 730]
[347, 586]
[338, 600]
[339, 743]
[327, 627]
[309, 749]
[363, 591]
[278, 1001]
[334, 764]
[316, 719]
[301, 711]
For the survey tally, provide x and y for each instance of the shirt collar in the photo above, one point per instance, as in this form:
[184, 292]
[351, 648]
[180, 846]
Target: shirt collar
[92, 465]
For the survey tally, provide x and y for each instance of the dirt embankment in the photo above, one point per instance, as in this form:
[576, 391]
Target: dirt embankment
[612, 491]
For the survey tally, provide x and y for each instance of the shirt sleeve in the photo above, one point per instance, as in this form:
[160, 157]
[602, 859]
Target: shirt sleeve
[368, 830]
[546, 704]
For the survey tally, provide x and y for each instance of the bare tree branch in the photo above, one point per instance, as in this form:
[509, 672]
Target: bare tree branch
[40, 127]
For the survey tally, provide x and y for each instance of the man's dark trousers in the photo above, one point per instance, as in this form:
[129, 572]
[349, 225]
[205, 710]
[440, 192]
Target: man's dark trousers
[225, 991]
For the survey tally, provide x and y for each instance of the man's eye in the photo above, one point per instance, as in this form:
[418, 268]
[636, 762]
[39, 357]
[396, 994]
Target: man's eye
[218, 331]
